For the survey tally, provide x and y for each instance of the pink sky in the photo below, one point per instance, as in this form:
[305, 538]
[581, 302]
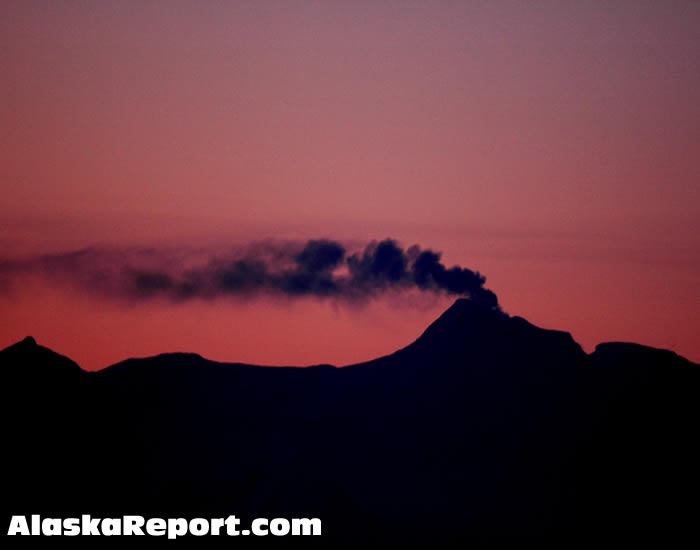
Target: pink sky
[553, 146]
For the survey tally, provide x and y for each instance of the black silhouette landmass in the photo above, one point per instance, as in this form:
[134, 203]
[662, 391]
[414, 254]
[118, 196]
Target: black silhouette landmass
[485, 427]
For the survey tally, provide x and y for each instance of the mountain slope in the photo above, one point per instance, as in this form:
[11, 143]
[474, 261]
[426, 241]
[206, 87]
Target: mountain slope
[485, 426]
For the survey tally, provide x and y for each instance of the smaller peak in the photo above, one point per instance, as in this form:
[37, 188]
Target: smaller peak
[180, 354]
[630, 349]
[325, 366]
[29, 341]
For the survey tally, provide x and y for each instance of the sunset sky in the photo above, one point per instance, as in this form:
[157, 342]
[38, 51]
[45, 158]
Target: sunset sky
[552, 146]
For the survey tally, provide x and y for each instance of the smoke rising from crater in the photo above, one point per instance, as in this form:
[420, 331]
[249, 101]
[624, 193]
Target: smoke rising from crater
[320, 268]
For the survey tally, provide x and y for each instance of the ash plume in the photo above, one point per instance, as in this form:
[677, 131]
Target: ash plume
[320, 268]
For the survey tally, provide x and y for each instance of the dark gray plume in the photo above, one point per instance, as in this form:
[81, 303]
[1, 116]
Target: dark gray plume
[320, 268]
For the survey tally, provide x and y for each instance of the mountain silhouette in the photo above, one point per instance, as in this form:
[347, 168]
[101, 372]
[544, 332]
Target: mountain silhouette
[485, 427]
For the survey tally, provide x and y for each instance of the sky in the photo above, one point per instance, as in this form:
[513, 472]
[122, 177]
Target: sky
[554, 147]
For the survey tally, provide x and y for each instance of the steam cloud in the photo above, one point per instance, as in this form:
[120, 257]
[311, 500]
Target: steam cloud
[320, 268]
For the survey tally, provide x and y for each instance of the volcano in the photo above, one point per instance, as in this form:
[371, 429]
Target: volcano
[485, 427]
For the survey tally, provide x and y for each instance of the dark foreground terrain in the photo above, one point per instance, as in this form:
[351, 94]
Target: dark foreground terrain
[486, 426]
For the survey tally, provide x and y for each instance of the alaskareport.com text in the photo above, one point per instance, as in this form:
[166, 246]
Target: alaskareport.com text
[159, 527]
